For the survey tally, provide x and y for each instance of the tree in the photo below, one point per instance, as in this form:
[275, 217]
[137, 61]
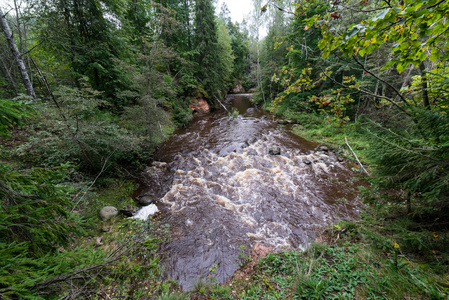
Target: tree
[413, 36]
[207, 48]
[85, 35]
[17, 55]
[226, 62]
[240, 51]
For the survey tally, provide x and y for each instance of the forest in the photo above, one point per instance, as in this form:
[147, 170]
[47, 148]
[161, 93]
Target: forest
[89, 89]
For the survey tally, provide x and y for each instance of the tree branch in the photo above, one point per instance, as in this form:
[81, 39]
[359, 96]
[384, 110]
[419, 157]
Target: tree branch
[346, 140]
[380, 79]
[368, 93]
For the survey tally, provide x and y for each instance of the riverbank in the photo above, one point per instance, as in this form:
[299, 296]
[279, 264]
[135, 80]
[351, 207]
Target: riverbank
[389, 253]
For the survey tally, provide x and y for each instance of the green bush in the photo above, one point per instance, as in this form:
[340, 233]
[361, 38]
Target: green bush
[79, 132]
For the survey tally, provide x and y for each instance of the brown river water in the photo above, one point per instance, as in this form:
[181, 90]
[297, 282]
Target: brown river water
[220, 189]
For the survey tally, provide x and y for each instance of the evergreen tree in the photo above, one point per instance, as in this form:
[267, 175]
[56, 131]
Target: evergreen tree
[84, 34]
[240, 51]
[226, 62]
[207, 48]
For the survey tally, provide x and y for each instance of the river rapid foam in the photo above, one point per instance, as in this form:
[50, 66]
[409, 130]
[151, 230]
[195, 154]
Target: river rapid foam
[221, 189]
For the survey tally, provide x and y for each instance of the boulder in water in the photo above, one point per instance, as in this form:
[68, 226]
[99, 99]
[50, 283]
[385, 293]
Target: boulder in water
[129, 210]
[146, 199]
[284, 122]
[323, 148]
[107, 212]
[274, 151]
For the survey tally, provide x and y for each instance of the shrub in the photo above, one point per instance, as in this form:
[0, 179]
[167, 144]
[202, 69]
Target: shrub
[79, 132]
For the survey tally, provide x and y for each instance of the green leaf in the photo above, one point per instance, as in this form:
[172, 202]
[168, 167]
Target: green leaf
[352, 32]
[381, 15]
[434, 57]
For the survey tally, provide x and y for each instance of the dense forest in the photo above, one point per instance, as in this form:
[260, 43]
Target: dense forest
[89, 89]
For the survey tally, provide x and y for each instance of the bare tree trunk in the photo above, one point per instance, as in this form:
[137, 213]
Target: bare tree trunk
[23, 45]
[17, 56]
[425, 94]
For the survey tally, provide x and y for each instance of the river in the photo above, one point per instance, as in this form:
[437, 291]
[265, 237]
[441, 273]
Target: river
[221, 191]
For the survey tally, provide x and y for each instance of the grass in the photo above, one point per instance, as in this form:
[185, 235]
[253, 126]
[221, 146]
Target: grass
[316, 128]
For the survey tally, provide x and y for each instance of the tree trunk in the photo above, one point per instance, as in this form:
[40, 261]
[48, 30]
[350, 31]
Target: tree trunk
[425, 93]
[17, 56]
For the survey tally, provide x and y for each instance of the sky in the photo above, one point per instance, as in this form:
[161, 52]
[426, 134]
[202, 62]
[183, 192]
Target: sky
[238, 8]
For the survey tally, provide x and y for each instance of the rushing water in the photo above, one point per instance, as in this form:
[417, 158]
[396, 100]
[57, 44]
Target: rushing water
[220, 189]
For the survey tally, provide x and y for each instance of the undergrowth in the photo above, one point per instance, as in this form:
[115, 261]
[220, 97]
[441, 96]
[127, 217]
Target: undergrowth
[54, 246]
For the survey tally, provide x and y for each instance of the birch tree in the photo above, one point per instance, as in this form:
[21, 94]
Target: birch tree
[17, 55]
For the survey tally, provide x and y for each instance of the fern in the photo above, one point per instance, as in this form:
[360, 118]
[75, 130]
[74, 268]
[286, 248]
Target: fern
[12, 113]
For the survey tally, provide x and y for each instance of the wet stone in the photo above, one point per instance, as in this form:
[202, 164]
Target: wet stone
[274, 151]
[129, 210]
[145, 200]
[323, 148]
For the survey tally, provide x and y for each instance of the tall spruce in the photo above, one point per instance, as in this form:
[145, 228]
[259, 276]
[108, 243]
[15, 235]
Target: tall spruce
[85, 35]
[207, 48]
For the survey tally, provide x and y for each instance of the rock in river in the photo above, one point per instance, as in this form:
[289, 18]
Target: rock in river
[146, 199]
[129, 210]
[274, 151]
